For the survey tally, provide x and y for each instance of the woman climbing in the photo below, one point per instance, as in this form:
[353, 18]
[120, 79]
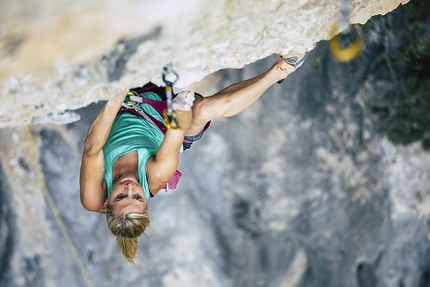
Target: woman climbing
[129, 156]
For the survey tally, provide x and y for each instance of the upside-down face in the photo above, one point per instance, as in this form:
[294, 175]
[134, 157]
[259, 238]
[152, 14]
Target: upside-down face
[127, 196]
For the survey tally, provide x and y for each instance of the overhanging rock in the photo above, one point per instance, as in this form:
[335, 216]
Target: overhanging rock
[64, 55]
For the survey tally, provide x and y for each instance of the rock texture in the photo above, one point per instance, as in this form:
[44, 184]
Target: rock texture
[302, 189]
[299, 190]
[57, 56]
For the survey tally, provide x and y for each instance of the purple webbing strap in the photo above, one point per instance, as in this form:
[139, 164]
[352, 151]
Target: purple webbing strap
[146, 88]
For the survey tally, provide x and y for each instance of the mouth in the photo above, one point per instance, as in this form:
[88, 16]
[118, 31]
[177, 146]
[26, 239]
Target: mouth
[128, 179]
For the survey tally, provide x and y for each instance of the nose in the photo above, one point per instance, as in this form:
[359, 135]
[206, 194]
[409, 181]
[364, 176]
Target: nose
[128, 187]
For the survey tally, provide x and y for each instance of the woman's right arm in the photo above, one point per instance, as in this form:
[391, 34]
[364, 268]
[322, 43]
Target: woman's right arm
[93, 189]
[161, 168]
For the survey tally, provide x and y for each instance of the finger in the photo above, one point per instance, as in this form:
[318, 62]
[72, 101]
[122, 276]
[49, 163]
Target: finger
[191, 94]
[183, 94]
[186, 94]
[181, 106]
[190, 97]
[189, 101]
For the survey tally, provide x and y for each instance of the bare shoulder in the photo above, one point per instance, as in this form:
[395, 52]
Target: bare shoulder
[156, 181]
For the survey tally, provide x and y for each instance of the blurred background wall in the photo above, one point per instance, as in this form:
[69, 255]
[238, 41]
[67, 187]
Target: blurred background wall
[322, 182]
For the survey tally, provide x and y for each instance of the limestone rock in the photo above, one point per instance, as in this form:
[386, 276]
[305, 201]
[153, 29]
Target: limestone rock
[300, 190]
[64, 55]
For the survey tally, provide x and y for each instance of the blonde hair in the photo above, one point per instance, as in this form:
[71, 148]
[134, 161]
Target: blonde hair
[127, 229]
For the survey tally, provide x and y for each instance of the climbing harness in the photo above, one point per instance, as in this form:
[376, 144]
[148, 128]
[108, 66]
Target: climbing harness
[348, 35]
[132, 105]
[134, 102]
[51, 203]
[170, 78]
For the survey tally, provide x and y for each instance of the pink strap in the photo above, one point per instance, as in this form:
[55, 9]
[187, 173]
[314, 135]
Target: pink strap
[173, 181]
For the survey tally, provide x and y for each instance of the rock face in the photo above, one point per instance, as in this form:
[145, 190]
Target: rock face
[302, 189]
[57, 56]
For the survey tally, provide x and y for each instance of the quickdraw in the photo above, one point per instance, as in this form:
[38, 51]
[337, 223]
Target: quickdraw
[134, 103]
[169, 79]
[345, 53]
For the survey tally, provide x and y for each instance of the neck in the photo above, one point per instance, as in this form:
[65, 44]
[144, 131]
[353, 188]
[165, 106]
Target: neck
[125, 164]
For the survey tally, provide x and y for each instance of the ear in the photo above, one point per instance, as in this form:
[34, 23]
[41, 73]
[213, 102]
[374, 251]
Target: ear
[105, 205]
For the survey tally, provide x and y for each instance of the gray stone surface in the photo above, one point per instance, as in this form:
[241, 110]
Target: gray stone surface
[64, 55]
[302, 189]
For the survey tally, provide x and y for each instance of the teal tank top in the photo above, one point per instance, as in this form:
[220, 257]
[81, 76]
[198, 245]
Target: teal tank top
[128, 133]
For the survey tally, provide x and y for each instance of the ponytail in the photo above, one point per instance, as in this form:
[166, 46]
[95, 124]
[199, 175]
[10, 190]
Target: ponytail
[127, 229]
[128, 248]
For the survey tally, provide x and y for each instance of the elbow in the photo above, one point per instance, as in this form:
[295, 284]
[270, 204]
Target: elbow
[85, 204]
[90, 205]
[203, 112]
[87, 146]
[90, 148]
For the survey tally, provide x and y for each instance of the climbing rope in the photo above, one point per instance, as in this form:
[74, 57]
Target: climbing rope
[42, 185]
[346, 45]
[169, 79]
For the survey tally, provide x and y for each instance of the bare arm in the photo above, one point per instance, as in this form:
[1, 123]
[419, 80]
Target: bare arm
[162, 167]
[93, 188]
[237, 97]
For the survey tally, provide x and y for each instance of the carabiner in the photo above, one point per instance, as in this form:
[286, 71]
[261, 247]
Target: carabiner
[168, 113]
[345, 54]
[168, 119]
[167, 72]
[129, 95]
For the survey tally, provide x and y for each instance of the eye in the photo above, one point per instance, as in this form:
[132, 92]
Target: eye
[138, 197]
[120, 196]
